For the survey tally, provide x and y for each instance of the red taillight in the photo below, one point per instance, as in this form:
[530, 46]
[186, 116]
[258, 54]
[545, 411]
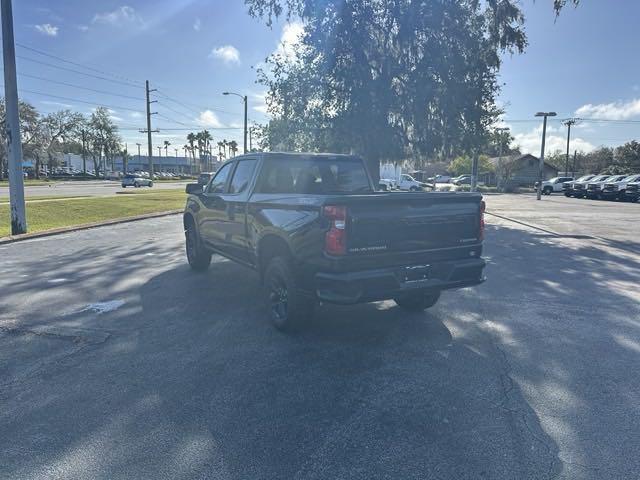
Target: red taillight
[335, 241]
[482, 208]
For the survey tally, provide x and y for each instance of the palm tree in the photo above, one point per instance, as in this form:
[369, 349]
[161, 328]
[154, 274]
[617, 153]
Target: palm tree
[220, 145]
[166, 147]
[233, 147]
[191, 139]
[187, 149]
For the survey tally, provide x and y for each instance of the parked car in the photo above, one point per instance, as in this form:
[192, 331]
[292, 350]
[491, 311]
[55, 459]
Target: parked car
[204, 177]
[567, 187]
[462, 180]
[594, 188]
[386, 184]
[315, 229]
[440, 179]
[580, 188]
[134, 180]
[617, 190]
[553, 185]
[632, 192]
[408, 183]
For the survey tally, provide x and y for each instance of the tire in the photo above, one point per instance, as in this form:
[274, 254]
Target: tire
[150, 184]
[199, 259]
[124, 186]
[288, 308]
[547, 190]
[417, 301]
[136, 184]
[413, 189]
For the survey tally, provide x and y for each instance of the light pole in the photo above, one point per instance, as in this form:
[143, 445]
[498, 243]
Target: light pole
[541, 162]
[499, 131]
[139, 159]
[244, 99]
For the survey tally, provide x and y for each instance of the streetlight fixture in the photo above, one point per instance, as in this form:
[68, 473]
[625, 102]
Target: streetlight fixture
[244, 99]
[541, 162]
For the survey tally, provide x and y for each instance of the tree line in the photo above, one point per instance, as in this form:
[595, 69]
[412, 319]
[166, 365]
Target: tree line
[45, 136]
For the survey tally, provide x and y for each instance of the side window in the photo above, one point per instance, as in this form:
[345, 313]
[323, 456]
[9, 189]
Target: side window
[242, 176]
[220, 180]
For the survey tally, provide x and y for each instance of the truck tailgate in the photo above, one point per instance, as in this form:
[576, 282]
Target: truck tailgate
[409, 222]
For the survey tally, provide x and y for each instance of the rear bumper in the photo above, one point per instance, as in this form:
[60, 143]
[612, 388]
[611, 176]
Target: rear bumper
[382, 284]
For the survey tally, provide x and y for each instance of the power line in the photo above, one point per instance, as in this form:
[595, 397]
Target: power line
[164, 105]
[77, 71]
[184, 129]
[69, 99]
[78, 86]
[77, 64]
[172, 120]
[192, 106]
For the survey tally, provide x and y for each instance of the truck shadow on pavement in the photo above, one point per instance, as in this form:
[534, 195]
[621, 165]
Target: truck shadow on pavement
[193, 381]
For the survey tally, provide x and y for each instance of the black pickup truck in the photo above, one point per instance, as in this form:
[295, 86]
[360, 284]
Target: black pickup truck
[315, 230]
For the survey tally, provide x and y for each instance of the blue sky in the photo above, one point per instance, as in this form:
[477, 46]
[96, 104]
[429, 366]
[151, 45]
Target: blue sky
[581, 64]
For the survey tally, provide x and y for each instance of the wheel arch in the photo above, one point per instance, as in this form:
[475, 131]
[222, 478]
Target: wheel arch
[271, 246]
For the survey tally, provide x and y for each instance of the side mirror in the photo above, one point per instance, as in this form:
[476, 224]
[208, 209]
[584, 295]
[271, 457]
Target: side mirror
[193, 188]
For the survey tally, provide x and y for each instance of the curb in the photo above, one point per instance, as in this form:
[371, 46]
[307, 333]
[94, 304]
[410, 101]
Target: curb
[85, 226]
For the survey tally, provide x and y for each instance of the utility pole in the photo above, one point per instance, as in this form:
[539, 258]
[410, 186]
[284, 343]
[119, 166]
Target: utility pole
[138, 144]
[125, 157]
[541, 162]
[575, 154]
[245, 100]
[568, 123]
[14, 141]
[84, 151]
[148, 130]
[499, 131]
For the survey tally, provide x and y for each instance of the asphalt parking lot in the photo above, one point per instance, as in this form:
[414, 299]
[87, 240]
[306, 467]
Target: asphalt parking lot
[117, 361]
[601, 219]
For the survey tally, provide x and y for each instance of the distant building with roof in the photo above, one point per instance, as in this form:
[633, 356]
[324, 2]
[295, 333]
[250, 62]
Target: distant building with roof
[521, 170]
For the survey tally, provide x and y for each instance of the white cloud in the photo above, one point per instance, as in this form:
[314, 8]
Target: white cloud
[290, 37]
[611, 111]
[259, 102]
[83, 28]
[227, 53]
[135, 115]
[56, 104]
[47, 29]
[530, 142]
[124, 15]
[197, 25]
[208, 119]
